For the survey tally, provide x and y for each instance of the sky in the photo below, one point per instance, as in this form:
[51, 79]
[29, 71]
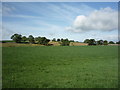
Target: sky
[73, 20]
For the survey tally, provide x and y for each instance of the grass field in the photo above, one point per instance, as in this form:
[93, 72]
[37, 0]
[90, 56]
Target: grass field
[60, 67]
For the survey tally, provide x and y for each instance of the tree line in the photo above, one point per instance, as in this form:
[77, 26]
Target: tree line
[99, 42]
[18, 38]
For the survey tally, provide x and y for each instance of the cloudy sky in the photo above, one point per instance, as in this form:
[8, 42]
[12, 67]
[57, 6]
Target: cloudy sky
[76, 21]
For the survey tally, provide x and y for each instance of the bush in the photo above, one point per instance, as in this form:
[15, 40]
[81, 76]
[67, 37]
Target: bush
[17, 38]
[65, 42]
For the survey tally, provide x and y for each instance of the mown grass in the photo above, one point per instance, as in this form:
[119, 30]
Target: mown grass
[60, 67]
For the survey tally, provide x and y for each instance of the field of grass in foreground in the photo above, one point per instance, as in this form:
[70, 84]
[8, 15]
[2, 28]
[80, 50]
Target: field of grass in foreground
[60, 67]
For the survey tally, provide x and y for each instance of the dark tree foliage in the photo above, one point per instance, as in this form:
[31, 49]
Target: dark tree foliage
[111, 42]
[100, 42]
[118, 42]
[36, 38]
[54, 39]
[24, 38]
[86, 41]
[61, 39]
[92, 42]
[31, 39]
[65, 42]
[40, 40]
[17, 38]
[72, 41]
[58, 39]
[105, 42]
[43, 40]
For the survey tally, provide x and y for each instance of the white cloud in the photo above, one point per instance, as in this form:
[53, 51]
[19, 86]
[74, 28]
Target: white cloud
[105, 19]
[111, 37]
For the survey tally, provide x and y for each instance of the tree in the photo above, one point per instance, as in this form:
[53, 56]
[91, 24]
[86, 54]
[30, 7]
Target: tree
[105, 42]
[54, 39]
[40, 40]
[43, 40]
[100, 42]
[46, 41]
[31, 39]
[61, 39]
[17, 38]
[111, 42]
[65, 42]
[58, 39]
[24, 38]
[86, 41]
[92, 42]
[36, 39]
[71, 41]
[118, 42]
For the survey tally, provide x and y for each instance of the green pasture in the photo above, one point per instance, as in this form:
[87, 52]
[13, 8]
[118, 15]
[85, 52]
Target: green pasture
[60, 67]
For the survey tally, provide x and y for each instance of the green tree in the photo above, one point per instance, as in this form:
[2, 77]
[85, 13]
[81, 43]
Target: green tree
[86, 41]
[43, 40]
[39, 40]
[65, 42]
[58, 39]
[111, 42]
[72, 41]
[92, 42]
[54, 39]
[61, 39]
[118, 42]
[36, 39]
[24, 38]
[31, 39]
[100, 42]
[105, 42]
[17, 38]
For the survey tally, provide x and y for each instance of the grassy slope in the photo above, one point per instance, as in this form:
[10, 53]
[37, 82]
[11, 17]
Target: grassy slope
[64, 67]
[8, 44]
